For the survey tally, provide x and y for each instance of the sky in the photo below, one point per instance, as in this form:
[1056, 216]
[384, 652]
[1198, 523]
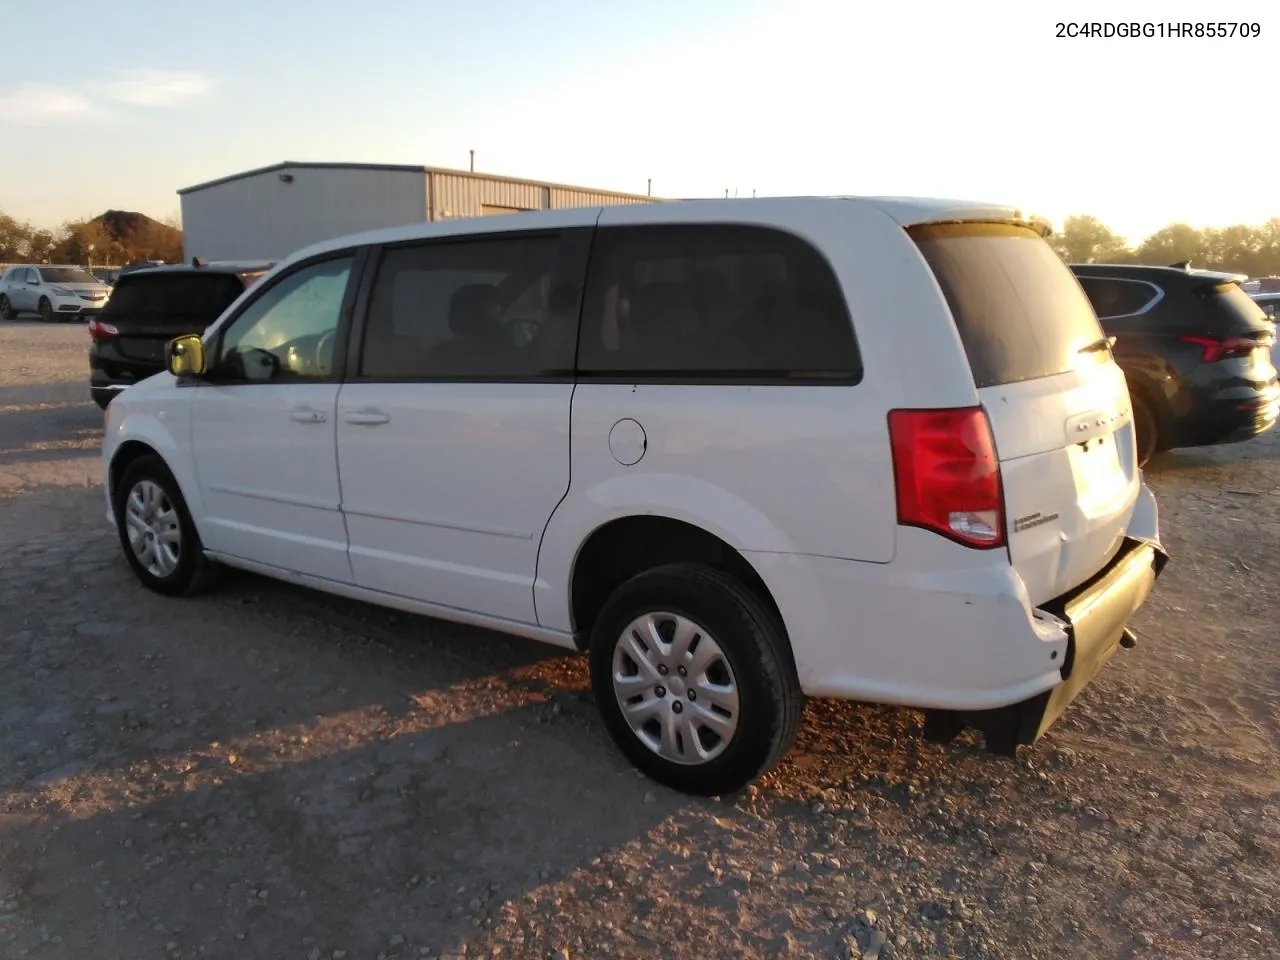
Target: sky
[119, 106]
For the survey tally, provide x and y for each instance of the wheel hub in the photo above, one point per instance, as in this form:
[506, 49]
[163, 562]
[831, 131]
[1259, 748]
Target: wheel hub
[676, 688]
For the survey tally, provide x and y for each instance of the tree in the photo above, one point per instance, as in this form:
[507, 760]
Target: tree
[1173, 244]
[77, 236]
[1086, 239]
[15, 239]
[40, 246]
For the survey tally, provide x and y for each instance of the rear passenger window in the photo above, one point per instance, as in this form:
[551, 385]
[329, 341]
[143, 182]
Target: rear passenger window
[722, 303]
[472, 308]
[1118, 298]
[1017, 307]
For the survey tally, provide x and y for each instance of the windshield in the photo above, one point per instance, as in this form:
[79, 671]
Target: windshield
[66, 275]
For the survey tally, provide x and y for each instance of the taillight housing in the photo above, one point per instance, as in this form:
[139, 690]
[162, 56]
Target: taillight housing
[1221, 348]
[946, 475]
[101, 331]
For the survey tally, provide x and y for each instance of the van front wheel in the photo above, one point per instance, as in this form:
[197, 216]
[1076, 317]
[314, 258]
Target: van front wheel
[694, 679]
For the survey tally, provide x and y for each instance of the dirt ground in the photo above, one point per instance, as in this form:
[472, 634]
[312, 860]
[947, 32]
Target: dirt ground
[269, 772]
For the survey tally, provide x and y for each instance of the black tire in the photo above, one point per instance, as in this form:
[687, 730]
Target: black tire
[753, 642]
[1146, 429]
[193, 572]
[46, 310]
[6, 309]
[103, 400]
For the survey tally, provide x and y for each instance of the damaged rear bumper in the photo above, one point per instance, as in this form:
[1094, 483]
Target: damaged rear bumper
[1095, 617]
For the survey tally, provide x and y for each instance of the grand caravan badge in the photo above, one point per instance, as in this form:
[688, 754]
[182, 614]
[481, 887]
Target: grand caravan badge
[1033, 520]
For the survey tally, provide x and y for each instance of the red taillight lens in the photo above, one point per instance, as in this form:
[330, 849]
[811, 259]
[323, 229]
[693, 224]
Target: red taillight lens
[101, 331]
[1216, 349]
[946, 474]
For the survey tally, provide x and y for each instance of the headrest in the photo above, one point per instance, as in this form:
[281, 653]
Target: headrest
[474, 309]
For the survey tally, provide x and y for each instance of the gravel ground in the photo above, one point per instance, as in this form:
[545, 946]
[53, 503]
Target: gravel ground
[269, 772]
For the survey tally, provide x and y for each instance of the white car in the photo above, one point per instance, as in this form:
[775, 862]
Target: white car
[739, 452]
[54, 292]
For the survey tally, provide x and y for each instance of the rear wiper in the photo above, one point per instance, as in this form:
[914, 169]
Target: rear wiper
[1102, 343]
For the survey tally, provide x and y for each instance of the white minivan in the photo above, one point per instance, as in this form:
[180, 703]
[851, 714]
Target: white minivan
[739, 452]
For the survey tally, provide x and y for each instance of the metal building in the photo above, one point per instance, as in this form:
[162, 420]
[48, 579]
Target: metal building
[268, 213]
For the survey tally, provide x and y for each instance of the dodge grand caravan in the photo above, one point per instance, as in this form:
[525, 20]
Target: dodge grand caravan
[738, 452]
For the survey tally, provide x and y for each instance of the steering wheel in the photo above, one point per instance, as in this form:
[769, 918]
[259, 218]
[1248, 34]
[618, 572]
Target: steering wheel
[522, 330]
[324, 353]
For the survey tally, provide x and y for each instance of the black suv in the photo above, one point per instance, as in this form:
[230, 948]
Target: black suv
[148, 308]
[1195, 349]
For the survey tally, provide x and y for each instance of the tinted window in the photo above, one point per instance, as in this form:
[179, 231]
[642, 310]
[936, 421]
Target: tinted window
[66, 275]
[717, 302]
[1231, 310]
[1117, 298]
[191, 301]
[470, 308]
[1018, 309]
[289, 331]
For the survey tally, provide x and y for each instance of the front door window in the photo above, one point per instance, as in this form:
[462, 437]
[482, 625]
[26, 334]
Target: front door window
[289, 332]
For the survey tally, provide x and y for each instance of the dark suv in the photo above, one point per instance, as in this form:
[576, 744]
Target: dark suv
[1195, 349]
[150, 307]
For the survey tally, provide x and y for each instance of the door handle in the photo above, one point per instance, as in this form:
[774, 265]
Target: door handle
[307, 415]
[366, 418]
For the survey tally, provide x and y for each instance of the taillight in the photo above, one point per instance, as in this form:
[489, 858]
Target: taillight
[946, 474]
[1216, 348]
[101, 331]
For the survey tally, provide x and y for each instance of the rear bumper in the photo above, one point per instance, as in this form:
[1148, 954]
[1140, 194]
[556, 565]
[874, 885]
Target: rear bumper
[110, 371]
[952, 631]
[1095, 617]
[1229, 420]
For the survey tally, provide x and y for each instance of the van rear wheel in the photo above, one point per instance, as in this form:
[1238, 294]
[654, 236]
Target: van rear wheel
[694, 679]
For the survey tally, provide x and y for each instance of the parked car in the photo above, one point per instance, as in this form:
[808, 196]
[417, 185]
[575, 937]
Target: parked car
[54, 292]
[148, 308]
[1270, 304]
[1195, 349]
[739, 452]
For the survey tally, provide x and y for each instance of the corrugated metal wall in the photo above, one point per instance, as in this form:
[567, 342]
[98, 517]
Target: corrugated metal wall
[262, 217]
[459, 195]
[570, 197]
[453, 195]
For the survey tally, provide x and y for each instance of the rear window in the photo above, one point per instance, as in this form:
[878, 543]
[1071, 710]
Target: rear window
[177, 298]
[1227, 302]
[1019, 310]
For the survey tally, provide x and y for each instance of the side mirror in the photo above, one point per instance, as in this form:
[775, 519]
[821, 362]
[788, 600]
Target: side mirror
[184, 356]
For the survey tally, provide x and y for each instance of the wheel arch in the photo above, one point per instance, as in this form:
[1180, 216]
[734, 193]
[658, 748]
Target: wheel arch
[141, 444]
[617, 550]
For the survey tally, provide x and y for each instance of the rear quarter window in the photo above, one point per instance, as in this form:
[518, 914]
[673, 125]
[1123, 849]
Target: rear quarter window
[1019, 311]
[714, 303]
[1114, 297]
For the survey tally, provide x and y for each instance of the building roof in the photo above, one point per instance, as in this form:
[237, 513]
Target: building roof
[400, 168]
